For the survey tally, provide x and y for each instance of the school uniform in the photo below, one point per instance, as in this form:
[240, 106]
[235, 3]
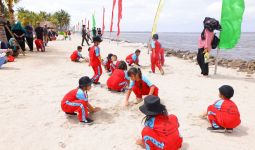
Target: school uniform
[76, 55]
[161, 133]
[114, 65]
[223, 113]
[132, 58]
[155, 55]
[162, 56]
[107, 64]
[118, 80]
[142, 87]
[76, 101]
[95, 63]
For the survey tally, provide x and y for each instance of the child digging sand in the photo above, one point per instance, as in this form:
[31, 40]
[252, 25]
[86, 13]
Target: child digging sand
[76, 55]
[133, 58]
[140, 85]
[223, 114]
[76, 101]
[161, 130]
[107, 63]
[118, 80]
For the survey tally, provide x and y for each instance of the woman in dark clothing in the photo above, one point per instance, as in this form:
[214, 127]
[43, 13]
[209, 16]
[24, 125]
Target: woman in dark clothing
[29, 37]
[8, 34]
[19, 34]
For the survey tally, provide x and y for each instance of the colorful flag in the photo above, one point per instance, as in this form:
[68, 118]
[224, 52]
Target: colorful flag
[119, 16]
[113, 5]
[231, 21]
[93, 21]
[155, 24]
[103, 26]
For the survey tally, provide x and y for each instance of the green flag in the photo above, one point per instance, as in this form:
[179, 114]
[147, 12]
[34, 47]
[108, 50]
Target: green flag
[93, 21]
[231, 21]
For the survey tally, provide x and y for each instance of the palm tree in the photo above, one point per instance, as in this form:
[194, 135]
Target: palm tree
[62, 18]
[10, 9]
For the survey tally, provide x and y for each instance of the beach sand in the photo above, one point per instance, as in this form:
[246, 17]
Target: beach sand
[33, 87]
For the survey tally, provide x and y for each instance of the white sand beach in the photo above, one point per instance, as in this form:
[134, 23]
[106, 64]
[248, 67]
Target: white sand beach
[33, 87]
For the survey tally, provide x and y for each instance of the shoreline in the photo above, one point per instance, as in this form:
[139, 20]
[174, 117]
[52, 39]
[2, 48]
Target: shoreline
[240, 65]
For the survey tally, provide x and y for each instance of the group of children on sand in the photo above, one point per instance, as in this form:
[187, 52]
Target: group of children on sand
[161, 129]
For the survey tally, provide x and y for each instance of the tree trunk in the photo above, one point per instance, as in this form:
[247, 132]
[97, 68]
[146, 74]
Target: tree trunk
[11, 11]
[2, 22]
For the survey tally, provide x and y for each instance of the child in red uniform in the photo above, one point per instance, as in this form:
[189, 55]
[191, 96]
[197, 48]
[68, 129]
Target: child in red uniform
[161, 130]
[76, 55]
[133, 58]
[107, 63]
[155, 55]
[140, 85]
[162, 56]
[76, 101]
[39, 45]
[224, 114]
[119, 79]
[95, 59]
[115, 63]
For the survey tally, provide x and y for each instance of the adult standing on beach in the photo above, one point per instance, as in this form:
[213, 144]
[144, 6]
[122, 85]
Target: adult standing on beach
[204, 47]
[29, 36]
[45, 34]
[84, 35]
[39, 32]
[19, 34]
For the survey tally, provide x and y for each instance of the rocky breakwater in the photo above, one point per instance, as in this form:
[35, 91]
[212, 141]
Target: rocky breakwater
[240, 65]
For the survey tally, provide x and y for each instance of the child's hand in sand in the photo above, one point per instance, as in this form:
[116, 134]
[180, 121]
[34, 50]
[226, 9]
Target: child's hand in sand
[204, 115]
[140, 142]
[97, 109]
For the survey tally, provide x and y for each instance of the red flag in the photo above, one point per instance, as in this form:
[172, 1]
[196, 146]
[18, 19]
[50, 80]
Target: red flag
[119, 16]
[103, 21]
[113, 5]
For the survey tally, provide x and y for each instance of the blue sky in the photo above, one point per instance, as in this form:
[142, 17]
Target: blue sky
[138, 15]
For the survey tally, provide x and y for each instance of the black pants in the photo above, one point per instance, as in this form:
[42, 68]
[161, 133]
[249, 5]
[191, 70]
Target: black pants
[201, 62]
[84, 38]
[30, 43]
[22, 45]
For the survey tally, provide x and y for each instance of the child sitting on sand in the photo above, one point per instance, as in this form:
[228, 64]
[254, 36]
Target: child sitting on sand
[133, 58]
[140, 85]
[223, 114]
[76, 55]
[76, 101]
[107, 63]
[161, 130]
[114, 63]
[119, 79]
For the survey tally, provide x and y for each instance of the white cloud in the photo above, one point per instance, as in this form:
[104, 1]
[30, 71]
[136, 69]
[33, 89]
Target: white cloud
[177, 15]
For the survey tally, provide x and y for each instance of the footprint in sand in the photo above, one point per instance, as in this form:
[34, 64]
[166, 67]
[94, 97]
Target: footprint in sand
[48, 124]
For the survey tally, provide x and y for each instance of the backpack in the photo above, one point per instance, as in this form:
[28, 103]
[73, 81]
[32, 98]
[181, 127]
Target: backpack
[215, 42]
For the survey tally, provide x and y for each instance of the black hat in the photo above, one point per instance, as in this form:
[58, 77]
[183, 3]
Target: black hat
[97, 39]
[152, 106]
[226, 91]
[155, 36]
[85, 81]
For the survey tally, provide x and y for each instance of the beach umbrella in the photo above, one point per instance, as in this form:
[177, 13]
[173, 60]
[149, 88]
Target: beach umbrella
[231, 22]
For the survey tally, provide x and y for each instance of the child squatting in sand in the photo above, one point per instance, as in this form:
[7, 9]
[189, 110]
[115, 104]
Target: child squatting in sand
[76, 101]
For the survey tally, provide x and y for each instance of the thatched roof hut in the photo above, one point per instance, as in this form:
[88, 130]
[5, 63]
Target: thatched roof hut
[49, 24]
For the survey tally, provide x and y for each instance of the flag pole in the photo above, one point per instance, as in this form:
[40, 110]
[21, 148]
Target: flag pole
[216, 61]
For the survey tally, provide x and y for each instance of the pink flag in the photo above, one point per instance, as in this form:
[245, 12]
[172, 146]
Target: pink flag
[119, 16]
[103, 27]
[114, 2]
